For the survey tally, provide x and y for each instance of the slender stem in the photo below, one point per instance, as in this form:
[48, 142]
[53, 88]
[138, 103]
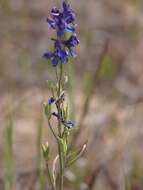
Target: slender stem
[60, 80]
[57, 74]
[47, 165]
[61, 160]
[58, 103]
[49, 176]
[53, 94]
[52, 130]
[61, 168]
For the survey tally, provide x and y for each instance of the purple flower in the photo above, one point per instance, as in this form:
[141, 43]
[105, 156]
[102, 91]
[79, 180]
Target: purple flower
[55, 12]
[69, 124]
[72, 53]
[72, 42]
[51, 100]
[62, 21]
[68, 13]
[58, 56]
[48, 55]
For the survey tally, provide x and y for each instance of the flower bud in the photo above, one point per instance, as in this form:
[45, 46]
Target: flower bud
[45, 150]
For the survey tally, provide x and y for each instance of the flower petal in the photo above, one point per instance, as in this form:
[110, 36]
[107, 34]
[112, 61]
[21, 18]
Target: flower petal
[55, 12]
[47, 55]
[55, 60]
[51, 23]
[72, 53]
[51, 100]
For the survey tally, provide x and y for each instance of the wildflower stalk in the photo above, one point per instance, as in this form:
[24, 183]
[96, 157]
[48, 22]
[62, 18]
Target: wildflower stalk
[66, 40]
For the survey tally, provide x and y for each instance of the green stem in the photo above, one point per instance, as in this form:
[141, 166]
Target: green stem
[57, 75]
[61, 169]
[61, 160]
[52, 129]
[60, 80]
[58, 94]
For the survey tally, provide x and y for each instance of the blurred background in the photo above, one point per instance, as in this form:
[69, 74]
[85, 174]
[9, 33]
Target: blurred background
[105, 94]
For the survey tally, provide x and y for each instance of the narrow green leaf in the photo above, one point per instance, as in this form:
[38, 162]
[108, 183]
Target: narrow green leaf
[65, 112]
[54, 172]
[8, 152]
[73, 156]
[108, 68]
[47, 109]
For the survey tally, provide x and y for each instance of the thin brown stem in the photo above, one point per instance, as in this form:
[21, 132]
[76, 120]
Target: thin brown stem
[88, 98]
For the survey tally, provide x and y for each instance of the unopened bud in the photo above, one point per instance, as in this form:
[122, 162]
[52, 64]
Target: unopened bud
[45, 150]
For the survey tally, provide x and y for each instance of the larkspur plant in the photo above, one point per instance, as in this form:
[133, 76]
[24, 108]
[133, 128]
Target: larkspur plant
[62, 22]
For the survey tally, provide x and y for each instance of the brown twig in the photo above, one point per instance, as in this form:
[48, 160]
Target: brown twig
[111, 182]
[94, 81]
[90, 181]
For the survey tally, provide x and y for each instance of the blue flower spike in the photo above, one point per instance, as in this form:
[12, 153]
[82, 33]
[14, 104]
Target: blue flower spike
[63, 22]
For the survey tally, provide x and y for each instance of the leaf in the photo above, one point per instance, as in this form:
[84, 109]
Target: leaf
[47, 109]
[8, 151]
[66, 36]
[65, 112]
[58, 88]
[107, 69]
[54, 169]
[65, 135]
[72, 157]
[61, 97]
